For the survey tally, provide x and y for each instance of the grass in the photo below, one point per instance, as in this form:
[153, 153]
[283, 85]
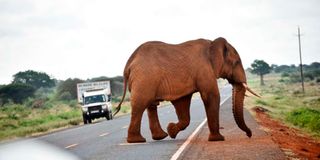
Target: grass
[42, 115]
[20, 121]
[125, 108]
[305, 118]
[286, 102]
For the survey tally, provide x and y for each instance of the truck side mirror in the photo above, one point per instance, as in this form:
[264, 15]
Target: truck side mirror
[109, 97]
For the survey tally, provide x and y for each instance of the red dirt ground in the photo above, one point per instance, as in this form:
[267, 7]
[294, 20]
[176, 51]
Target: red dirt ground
[289, 139]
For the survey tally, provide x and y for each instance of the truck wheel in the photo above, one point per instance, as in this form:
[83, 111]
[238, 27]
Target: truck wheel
[89, 120]
[109, 115]
[85, 121]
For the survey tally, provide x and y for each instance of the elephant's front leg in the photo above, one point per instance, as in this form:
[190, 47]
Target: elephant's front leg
[182, 107]
[212, 103]
[154, 124]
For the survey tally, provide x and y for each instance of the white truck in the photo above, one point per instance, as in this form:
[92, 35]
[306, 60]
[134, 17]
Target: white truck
[95, 98]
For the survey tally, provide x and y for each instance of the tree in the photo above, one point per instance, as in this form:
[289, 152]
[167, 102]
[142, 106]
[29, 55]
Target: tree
[68, 88]
[261, 68]
[285, 68]
[115, 82]
[315, 65]
[274, 66]
[33, 78]
[16, 92]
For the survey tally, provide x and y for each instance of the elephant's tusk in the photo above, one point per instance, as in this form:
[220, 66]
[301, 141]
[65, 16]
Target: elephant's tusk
[247, 88]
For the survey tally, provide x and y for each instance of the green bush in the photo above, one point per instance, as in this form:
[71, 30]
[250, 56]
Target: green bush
[116, 99]
[68, 86]
[73, 103]
[309, 76]
[68, 115]
[44, 93]
[285, 74]
[65, 96]
[297, 92]
[74, 121]
[14, 111]
[48, 104]
[305, 118]
[16, 92]
[278, 97]
[295, 78]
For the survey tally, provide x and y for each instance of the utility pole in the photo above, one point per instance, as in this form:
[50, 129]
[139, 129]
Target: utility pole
[301, 70]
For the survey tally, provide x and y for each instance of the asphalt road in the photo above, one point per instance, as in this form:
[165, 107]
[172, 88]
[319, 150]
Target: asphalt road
[107, 139]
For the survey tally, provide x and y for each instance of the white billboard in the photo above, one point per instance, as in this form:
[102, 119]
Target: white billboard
[82, 87]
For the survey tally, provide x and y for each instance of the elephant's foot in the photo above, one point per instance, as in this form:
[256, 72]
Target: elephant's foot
[215, 137]
[135, 139]
[159, 135]
[173, 130]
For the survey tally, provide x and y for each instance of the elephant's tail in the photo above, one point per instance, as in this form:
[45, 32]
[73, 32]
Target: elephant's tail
[123, 96]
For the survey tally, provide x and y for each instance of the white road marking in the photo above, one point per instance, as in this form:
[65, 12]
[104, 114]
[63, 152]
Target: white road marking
[103, 134]
[71, 146]
[132, 144]
[125, 127]
[185, 144]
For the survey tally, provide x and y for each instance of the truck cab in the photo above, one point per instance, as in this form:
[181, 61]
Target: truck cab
[96, 103]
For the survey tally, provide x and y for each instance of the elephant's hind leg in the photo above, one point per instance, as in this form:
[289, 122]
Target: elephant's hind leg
[134, 134]
[182, 107]
[155, 127]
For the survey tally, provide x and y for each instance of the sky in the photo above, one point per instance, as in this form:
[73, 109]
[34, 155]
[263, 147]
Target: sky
[92, 38]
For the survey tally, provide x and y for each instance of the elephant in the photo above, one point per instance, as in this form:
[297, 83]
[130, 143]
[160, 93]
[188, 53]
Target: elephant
[158, 71]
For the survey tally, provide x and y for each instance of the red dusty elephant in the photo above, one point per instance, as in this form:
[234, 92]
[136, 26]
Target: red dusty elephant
[158, 71]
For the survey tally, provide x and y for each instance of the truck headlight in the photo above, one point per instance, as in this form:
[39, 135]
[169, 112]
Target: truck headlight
[109, 106]
[104, 107]
[85, 109]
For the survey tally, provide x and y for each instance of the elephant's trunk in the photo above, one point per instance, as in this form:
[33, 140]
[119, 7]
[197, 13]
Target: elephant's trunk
[238, 93]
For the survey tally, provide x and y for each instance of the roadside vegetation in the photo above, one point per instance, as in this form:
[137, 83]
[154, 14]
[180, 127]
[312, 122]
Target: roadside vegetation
[284, 100]
[18, 120]
[35, 103]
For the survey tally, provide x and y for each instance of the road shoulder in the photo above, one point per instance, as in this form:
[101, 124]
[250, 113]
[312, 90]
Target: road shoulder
[293, 142]
[237, 145]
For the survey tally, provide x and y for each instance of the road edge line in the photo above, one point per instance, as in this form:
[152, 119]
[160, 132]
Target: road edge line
[71, 146]
[185, 144]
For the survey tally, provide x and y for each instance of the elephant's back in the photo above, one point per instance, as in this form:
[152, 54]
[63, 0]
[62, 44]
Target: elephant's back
[157, 53]
[160, 57]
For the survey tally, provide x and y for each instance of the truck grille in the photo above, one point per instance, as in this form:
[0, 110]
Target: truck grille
[95, 108]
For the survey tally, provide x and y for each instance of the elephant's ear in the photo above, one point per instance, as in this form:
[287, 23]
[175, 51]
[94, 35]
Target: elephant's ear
[218, 54]
[231, 55]
[225, 52]
[219, 47]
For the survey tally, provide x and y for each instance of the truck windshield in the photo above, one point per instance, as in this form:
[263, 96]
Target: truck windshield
[94, 99]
